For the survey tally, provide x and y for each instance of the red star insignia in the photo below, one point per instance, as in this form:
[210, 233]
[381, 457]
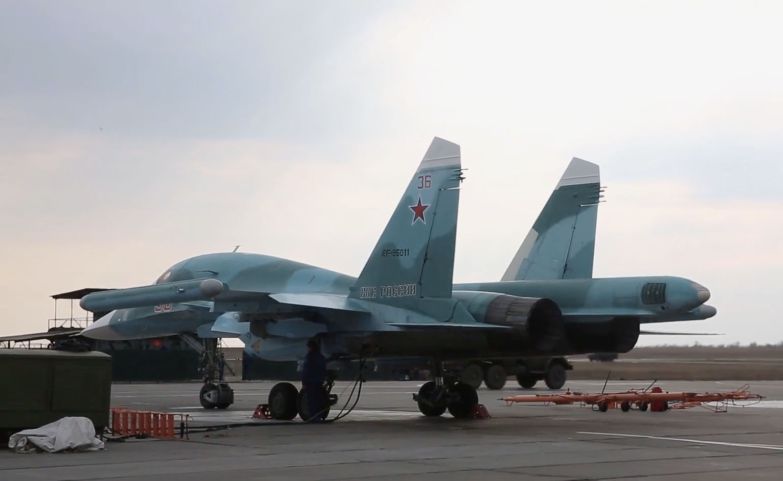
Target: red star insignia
[418, 212]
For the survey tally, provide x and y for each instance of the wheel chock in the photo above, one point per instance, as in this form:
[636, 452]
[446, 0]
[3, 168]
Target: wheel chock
[480, 412]
[262, 412]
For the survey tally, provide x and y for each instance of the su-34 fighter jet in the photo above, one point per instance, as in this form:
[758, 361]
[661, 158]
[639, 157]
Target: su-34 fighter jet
[404, 303]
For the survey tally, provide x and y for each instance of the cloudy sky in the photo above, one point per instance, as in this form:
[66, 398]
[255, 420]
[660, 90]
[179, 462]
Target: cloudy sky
[136, 134]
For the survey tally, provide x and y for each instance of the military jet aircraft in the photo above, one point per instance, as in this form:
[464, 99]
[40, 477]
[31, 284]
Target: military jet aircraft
[561, 246]
[403, 303]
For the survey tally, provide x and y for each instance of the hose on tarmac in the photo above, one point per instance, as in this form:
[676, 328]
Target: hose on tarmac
[345, 410]
[356, 389]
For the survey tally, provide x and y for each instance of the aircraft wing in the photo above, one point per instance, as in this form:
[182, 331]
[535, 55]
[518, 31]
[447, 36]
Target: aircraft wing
[449, 325]
[37, 336]
[319, 300]
[196, 293]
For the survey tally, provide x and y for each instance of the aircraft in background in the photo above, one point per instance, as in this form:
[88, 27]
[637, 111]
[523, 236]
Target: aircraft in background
[555, 261]
[404, 303]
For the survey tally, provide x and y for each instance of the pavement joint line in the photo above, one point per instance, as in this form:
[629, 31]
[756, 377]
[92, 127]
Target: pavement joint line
[742, 469]
[622, 461]
[773, 447]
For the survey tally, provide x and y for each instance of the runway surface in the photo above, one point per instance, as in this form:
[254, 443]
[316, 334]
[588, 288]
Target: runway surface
[386, 438]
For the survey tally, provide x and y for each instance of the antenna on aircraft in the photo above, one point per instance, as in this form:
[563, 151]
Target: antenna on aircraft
[236, 248]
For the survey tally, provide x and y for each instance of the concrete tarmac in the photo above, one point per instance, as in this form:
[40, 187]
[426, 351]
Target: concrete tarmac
[386, 438]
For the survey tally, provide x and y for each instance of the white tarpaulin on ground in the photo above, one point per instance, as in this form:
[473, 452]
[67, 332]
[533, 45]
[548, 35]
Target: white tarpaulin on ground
[69, 433]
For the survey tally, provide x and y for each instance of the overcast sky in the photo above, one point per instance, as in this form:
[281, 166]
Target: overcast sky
[136, 134]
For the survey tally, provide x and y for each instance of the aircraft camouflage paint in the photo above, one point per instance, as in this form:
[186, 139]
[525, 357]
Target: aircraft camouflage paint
[404, 303]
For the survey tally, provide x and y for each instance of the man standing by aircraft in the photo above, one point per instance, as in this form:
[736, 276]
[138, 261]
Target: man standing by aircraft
[313, 377]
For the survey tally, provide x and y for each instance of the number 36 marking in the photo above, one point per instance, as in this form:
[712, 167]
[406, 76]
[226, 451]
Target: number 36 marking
[425, 181]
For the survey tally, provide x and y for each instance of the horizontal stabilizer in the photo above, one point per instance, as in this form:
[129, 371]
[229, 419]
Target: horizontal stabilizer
[656, 333]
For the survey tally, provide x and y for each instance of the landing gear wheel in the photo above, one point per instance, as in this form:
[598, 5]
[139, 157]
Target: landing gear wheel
[283, 401]
[643, 406]
[307, 414]
[495, 377]
[555, 376]
[214, 395]
[472, 375]
[526, 380]
[625, 406]
[208, 396]
[428, 400]
[464, 402]
[603, 407]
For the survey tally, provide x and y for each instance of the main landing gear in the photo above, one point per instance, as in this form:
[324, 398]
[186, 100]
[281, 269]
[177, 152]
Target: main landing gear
[214, 393]
[442, 393]
[286, 401]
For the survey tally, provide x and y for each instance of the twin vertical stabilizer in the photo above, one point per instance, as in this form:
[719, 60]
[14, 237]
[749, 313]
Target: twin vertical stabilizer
[561, 244]
[414, 258]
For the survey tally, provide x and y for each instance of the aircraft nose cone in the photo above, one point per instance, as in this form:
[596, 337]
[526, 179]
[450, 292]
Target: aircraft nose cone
[708, 311]
[100, 329]
[702, 293]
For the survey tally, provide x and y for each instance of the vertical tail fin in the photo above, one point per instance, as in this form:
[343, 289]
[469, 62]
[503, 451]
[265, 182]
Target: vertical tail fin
[414, 257]
[561, 244]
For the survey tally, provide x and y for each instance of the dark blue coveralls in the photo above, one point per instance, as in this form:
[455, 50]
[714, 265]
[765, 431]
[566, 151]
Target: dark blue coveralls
[313, 377]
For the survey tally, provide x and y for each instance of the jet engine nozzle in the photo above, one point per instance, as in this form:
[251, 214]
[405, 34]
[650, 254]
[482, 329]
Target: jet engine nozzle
[538, 320]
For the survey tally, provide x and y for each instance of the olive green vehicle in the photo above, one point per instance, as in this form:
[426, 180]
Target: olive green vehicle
[528, 371]
[42, 386]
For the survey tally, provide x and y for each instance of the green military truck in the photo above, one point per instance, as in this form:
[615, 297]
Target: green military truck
[42, 386]
[528, 371]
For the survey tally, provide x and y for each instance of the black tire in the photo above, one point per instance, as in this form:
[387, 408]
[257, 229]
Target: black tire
[527, 381]
[467, 399]
[643, 406]
[603, 407]
[472, 375]
[283, 401]
[495, 377]
[555, 376]
[304, 410]
[208, 396]
[225, 396]
[430, 409]
[625, 406]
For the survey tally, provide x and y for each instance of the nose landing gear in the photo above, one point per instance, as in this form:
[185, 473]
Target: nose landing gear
[214, 393]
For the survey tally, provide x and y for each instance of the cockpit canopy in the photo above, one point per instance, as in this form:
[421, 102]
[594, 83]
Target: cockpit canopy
[174, 274]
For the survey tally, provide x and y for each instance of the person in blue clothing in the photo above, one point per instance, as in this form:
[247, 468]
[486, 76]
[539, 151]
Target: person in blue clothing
[313, 377]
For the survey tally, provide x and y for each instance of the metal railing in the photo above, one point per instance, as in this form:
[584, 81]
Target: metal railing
[24, 345]
[70, 322]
